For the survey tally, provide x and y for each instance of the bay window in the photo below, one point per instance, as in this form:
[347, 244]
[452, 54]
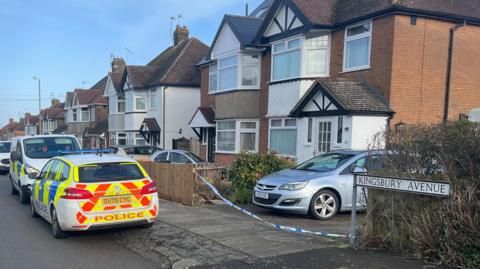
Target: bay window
[240, 71]
[234, 136]
[283, 136]
[357, 47]
[286, 59]
[139, 140]
[74, 115]
[121, 139]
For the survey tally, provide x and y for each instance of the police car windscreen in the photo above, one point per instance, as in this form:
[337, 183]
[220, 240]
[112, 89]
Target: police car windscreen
[4, 147]
[109, 172]
[48, 147]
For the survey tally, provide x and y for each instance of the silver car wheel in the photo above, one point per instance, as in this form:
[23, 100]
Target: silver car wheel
[325, 205]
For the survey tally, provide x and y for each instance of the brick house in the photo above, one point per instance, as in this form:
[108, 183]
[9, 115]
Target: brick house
[152, 103]
[87, 115]
[31, 124]
[302, 77]
[51, 118]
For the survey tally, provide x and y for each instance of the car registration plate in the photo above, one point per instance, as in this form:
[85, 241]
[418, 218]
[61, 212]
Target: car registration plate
[117, 200]
[263, 195]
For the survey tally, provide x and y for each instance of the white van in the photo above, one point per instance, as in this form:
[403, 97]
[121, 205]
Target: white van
[30, 153]
[4, 156]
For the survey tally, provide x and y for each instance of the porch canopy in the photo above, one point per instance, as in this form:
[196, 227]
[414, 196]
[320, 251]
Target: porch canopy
[338, 97]
[150, 130]
[203, 118]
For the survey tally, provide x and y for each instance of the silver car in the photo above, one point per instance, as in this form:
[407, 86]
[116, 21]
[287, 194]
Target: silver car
[321, 186]
[175, 156]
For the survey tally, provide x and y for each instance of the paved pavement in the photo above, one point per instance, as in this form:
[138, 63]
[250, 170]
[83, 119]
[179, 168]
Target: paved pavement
[27, 243]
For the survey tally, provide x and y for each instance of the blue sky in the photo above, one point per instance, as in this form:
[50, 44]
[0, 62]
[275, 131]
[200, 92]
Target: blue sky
[66, 42]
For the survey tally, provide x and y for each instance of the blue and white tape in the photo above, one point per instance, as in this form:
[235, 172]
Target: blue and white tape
[276, 226]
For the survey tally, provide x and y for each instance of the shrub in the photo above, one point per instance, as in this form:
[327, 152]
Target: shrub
[248, 168]
[446, 231]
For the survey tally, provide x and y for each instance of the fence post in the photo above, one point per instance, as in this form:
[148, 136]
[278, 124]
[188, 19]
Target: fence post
[354, 212]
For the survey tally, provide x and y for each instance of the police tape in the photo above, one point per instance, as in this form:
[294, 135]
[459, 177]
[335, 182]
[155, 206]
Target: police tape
[276, 226]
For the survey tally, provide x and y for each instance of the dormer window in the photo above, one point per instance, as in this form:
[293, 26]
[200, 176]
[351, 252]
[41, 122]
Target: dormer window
[240, 71]
[358, 40]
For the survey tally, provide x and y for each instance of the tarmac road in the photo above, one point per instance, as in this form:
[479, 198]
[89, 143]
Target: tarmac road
[26, 242]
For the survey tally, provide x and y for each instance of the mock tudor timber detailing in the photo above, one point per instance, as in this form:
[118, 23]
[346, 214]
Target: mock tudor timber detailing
[415, 186]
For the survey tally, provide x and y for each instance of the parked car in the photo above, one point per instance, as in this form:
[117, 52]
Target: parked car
[136, 152]
[82, 192]
[4, 156]
[176, 156]
[321, 186]
[30, 153]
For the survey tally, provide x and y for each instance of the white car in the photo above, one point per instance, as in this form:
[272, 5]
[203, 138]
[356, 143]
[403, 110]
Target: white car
[82, 192]
[4, 156]
[175, 156]
[30, 153]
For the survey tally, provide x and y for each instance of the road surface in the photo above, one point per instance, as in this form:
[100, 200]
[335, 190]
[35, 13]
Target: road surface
[27, 243]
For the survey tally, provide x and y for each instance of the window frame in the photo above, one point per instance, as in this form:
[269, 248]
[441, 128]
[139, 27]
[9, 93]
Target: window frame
[121, 99]
[356, 37]
[305, 58]
[135, 98]
[283, 127]
[92, 113]
[286, 50]
[241, 63]
[153, 97]
[238, 131]
[84, 110]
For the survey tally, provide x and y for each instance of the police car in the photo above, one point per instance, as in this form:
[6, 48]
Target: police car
[30, 153]
[81, 192]
[4, 156]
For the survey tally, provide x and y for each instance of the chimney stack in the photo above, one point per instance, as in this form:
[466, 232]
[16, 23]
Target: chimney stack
[10, 121]
[55, 102]
[180, 34]
[118, 65]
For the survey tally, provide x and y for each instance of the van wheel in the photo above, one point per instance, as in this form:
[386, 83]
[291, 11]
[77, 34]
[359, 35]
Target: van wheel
[56, 230]
[22, 194]
[14, 191]
[33, 211]
[324, 205]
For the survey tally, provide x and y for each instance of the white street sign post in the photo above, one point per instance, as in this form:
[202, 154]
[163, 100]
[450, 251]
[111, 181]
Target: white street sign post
[432, 188]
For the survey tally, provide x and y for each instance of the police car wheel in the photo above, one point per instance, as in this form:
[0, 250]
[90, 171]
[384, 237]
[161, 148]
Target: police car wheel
[14, 191]
[33, 210]
[23, 194]
[56, 230]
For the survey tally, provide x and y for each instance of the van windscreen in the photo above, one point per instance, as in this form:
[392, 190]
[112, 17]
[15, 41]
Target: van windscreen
[48, 147]
[103, 172]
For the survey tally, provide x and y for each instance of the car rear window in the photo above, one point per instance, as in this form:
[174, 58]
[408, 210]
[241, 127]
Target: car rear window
[103, 172]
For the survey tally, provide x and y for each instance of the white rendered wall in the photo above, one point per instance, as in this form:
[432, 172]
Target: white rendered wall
[364, 129]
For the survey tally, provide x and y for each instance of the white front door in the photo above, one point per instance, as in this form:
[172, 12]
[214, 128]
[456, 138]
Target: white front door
[324, 136]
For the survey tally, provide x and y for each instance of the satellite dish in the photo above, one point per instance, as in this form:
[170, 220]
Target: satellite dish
[474, 115]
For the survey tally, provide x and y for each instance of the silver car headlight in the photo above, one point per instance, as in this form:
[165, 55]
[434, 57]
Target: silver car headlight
[294, 186]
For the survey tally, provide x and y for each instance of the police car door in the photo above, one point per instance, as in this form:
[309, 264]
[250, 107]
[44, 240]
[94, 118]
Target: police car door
[38, 188]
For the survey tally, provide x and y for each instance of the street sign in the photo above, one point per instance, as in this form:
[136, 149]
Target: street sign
[432, 188]
[404, 185]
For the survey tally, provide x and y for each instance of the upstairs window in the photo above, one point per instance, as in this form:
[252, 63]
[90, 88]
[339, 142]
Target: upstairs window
[92, 113]
[316, 49]
[140, 103]
[286, 59]
[85, 113]
[213, 78]
[357, 47]
[227, 70]
[121, 104]
[241, 71]
[153, 99]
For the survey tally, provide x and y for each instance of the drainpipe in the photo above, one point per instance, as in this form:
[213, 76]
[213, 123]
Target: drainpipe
[163, 117]
[449, 68]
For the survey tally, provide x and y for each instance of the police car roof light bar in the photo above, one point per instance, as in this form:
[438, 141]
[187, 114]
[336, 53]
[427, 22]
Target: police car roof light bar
[86, 151]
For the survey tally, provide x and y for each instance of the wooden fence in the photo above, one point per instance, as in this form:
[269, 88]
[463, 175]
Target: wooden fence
[178, 183]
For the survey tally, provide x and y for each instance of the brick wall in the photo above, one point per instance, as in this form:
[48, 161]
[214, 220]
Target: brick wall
[224, 159]
[381, 56]
[263, 102]
[420, 66]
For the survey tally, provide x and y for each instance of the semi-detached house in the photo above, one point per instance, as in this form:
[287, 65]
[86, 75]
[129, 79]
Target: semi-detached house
[152, 104]
[302, 77]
